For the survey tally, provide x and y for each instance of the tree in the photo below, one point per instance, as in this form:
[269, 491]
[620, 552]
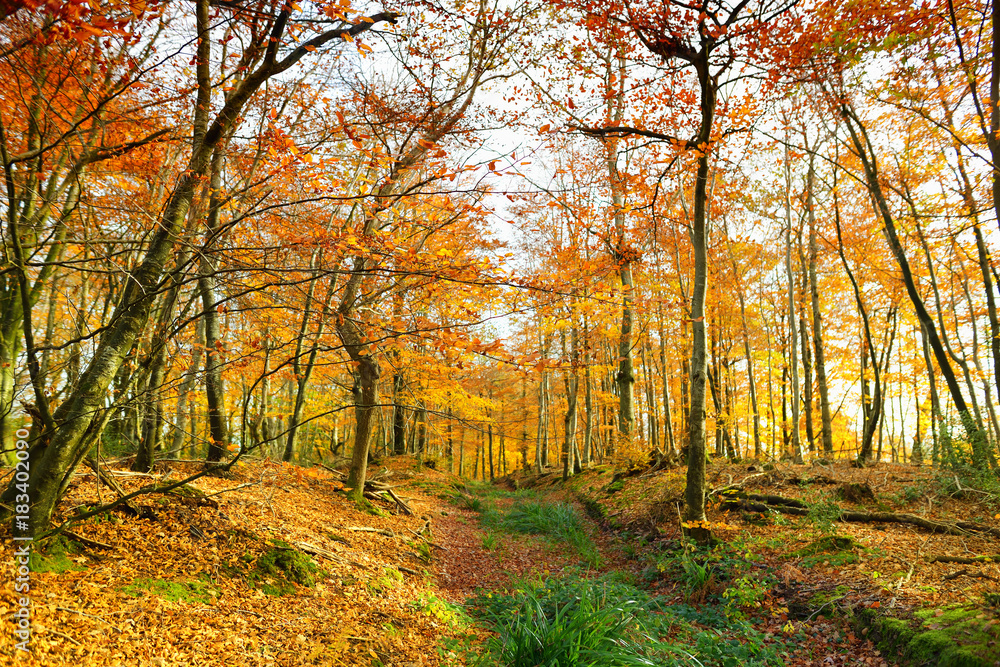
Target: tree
[63, 436]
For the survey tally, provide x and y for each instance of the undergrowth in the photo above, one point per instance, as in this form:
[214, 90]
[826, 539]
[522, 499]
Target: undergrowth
[558, 522]
[608, 621]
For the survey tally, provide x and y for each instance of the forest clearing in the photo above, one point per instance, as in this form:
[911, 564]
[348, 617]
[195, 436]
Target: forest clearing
[506, 333]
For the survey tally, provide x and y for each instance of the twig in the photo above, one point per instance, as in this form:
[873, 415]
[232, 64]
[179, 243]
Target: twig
[407, 570]
[86, 540]
[234, 488]
[366, 529]
[828, 602]
[63, 635]
[318, 551]
[329, 469]
[83, 613]
[433, 544]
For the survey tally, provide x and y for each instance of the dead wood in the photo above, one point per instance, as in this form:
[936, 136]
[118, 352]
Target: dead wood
[108, 480]
[399, 501]
[964, 560]
[965, 572]
[317, 551]
[779, 501]
[86, 540]
[366, 529]
[816, 479]
[732, 504]
[958, 528]
[855, 492]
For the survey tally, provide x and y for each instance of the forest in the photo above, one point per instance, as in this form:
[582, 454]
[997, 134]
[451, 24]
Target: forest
[501, 241]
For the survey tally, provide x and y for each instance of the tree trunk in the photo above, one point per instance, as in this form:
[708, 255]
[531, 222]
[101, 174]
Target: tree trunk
[792, 311]
[817, 319]
[865, 151]
[215, 391]
[870, 411]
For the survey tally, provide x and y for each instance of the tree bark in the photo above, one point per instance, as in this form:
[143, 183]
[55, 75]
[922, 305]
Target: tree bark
[826, 421]
[866, 152]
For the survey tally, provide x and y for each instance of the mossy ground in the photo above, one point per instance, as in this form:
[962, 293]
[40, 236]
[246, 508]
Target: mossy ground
[56, 557]
[830, 550]
[957, 636]
[174, 591]
[276, 570]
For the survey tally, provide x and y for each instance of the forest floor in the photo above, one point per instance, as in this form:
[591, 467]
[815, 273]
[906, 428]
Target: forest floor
[273, 565]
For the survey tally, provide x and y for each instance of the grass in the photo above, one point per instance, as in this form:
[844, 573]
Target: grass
[569, 623]
[558, 522]
[608, 621]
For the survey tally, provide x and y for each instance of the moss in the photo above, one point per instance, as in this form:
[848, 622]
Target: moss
[835, 550]
[594, 509]
[823, 598]
[55, 557]
[957, 636]
[174, 591]
[615, 486]
[284, 562]
[389, 579]
[828, 544]
[364, 505]
[276, 570]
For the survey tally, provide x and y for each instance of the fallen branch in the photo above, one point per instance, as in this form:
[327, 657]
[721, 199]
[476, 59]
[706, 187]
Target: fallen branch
[957, 528]
[232, 488]
[964, 560]
[317, 551]
[429, 542]
[402, 503]
[779, 501]
[108, 480]
[964, 572]
[153, 488]
[87, 541]
[407, 570]
[61, 634]
[335, 472]
[83, 613]
[738, 486]
[366, 529]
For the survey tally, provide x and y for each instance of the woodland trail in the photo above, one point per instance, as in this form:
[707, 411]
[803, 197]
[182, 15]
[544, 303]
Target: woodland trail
[279, 568]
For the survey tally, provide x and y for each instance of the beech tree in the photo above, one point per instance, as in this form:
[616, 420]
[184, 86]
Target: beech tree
[62, 437]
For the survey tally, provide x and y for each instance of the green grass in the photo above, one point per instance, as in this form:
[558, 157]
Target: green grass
[574, 620]
[559, 522]
[560, 625]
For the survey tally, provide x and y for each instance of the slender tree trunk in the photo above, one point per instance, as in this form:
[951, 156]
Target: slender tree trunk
[871, 411]
[817, 319]
[665, 385]
[215, 390]
[792, 310]
[695, 487]
[865, 151]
